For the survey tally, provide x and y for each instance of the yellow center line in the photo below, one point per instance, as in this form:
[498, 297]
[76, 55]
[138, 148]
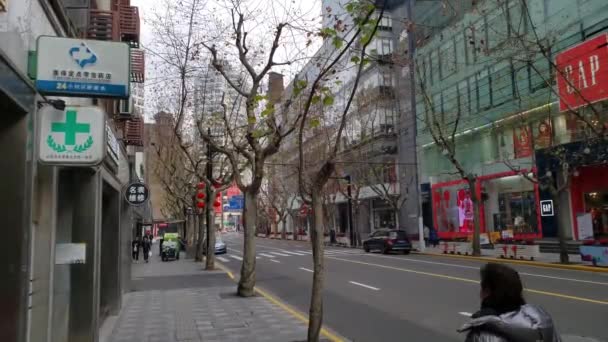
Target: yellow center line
[297, 314]
[437, 275]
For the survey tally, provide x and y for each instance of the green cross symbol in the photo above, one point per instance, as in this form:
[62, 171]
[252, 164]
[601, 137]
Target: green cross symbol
[70, 127]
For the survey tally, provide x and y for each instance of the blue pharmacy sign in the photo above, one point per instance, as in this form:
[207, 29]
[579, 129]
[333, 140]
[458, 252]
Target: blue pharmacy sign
[86, 68]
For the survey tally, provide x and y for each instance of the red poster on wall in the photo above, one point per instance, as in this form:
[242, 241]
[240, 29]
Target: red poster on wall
[543, 134]
[522, 143]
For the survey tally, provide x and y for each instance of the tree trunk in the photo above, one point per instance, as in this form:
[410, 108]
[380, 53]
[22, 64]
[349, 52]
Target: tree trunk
[564, 258]
[247, 280]
[210, 248]
[316, 299]
[476, 218]
[200, 244]
[284, 229]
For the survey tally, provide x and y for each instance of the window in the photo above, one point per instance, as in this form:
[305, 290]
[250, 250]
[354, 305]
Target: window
[470, 45]
[447, 59]
[383, 46]
[538, 74]
[434, 63]
[498, 31]
[464, 98]
[386, 23]
[484, 96]
[501, 83]
[518, 19]
[461, 49]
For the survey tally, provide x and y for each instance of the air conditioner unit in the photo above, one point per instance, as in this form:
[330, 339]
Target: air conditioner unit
[125, 107]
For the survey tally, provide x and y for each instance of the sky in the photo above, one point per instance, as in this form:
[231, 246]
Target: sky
[147, 8]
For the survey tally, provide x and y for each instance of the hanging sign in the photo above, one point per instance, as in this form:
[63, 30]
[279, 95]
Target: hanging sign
[137, 193]
[85, 68]
[72, 137]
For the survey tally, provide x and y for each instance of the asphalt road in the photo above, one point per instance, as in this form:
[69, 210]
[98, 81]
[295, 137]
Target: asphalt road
[374, 297]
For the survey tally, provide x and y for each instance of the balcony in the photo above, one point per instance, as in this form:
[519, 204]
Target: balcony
[129, 22]
[138, 66]
[134, 131]
[103, 25]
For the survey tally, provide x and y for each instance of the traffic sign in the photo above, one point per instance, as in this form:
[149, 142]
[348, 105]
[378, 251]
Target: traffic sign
[73, 137]
[137, 193]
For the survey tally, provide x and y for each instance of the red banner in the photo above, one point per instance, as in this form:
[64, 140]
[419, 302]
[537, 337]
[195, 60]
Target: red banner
[522, 144]
[582, 73]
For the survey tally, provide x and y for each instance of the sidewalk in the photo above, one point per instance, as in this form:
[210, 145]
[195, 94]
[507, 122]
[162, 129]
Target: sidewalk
[177, 301]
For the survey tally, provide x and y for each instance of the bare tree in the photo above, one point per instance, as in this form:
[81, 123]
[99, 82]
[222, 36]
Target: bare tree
[313, 176]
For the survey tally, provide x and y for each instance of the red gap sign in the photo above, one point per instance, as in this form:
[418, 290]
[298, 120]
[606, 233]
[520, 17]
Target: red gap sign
[582, 76]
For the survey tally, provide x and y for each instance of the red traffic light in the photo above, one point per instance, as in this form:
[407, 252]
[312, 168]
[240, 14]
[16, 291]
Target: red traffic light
[200, 205]
[200, 195]
[217, 204]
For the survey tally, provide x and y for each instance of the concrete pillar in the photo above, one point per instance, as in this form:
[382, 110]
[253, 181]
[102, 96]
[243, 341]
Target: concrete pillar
[43, 262]
[15, 213]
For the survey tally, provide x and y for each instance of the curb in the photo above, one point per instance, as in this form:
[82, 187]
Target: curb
[327, 333]
[521, 262]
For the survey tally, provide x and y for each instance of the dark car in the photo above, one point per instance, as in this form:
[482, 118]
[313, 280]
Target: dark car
[388, 240]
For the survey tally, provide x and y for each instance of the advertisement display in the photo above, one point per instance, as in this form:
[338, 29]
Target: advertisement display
[85, 68]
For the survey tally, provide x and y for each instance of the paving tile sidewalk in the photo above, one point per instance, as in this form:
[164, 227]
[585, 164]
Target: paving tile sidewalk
[182, 303]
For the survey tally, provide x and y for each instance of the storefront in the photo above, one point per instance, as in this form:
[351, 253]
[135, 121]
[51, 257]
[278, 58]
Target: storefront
[383, 215]
[508, 203]
[589, 197]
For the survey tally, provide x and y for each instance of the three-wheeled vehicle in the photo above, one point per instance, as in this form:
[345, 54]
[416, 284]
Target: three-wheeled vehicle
[171, 247]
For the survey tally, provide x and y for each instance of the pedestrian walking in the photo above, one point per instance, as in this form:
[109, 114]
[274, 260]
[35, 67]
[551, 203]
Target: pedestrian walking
[146, 248]
[504, 315]
[426, 233]
[135, 248]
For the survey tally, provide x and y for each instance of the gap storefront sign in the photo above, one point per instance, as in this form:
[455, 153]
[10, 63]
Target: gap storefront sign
[86, 68]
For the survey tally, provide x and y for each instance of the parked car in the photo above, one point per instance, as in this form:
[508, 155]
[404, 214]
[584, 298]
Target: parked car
[388, 240]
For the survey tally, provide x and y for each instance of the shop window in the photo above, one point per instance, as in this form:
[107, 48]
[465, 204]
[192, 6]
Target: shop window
[453, 209]
[383, 214]
[511, 205]
[596, 206]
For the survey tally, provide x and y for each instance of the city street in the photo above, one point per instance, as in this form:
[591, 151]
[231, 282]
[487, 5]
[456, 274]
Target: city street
[374, 297]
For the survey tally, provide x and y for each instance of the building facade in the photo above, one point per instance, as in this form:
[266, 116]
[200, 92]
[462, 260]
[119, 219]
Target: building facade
[50, 209]
[486, 72]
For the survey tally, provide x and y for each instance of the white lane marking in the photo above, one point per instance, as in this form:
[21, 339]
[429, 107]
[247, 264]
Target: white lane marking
[223, 259]
[257, 257]
[275, 260]
[477, 268]
[267, 255]
[294, 253]
[363, 285]
[305, 252]
[464, 313]
[307, 270]
[236, 257]
[281, 254]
